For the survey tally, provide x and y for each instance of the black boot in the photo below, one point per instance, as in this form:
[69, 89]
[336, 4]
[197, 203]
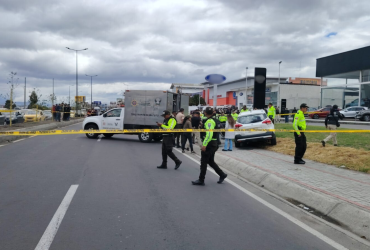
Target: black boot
[178, 165]
[198, 182]
[299, 162]
[222, 179]
[162, 167]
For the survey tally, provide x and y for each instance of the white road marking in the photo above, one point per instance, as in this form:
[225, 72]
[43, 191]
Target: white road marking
[19, 140]
[279, 211]
[52, 229]
[100, 136]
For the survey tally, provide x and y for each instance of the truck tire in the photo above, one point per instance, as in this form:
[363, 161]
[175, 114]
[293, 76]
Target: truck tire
[91, 135]
[108, 135]
[145, 137]
[273, 140]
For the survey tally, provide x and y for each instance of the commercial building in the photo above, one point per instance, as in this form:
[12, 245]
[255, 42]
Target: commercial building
[348, 78]
[293, 91]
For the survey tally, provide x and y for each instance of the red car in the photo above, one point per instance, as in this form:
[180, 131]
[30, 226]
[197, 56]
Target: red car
[320, 113]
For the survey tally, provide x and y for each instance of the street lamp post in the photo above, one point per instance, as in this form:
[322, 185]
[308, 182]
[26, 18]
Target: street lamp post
[76, 71]
[91, 86]
[278, 100]
[246, 85]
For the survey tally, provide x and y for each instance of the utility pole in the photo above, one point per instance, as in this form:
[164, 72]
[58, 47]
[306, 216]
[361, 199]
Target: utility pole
[278, 96]
[52, 99]
[25, 88]
[11, 104]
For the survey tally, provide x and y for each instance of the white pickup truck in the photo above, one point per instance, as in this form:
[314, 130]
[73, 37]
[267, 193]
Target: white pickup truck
[113, 119]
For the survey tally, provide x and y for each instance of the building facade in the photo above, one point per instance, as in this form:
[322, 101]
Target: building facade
[293, 91]
[348, 78]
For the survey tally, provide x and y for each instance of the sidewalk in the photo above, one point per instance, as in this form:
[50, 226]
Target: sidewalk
[341, 194]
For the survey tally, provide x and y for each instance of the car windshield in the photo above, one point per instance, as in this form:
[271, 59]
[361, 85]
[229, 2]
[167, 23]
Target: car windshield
[253, 118]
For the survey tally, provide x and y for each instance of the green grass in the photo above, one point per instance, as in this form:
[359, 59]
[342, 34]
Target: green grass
[353, 140]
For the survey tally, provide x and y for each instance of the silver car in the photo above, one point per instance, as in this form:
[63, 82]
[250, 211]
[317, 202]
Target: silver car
[351, 112]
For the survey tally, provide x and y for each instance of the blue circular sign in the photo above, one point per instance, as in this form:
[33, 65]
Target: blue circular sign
[215, 78]
[241, 93]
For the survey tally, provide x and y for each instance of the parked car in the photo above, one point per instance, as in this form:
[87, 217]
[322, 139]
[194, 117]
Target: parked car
[13, 117]
[310, 110]
[355, 103]
[320, 113]
[48, 115]
[33, 116]
[351, 112]
[2, 119]
[256, 119]
[363, 115]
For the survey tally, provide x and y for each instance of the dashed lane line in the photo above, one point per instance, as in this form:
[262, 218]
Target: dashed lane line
[52, 229]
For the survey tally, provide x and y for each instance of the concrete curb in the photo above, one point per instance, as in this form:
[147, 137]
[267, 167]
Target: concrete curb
[351, 217]
[50, 126]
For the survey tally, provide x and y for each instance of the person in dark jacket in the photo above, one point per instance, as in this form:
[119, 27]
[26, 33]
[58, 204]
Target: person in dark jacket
[195, 123]
[332, 123]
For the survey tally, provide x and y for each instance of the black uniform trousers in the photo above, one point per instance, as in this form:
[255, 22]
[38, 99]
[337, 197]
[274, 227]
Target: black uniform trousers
[167, 145]
[208, 157]
[300, 146]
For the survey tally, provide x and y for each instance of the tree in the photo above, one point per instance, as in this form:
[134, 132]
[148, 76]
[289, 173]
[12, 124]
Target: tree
[194, 100]
[7, 105]
[34, 98]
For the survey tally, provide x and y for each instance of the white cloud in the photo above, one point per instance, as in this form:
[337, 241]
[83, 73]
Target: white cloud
[149, 44]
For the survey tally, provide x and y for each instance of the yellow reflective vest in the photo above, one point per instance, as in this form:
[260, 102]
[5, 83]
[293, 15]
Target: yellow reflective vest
[271, 112]
[235, 116]
[299, 122]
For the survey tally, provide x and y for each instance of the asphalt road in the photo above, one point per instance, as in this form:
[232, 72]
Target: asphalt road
[123, 201]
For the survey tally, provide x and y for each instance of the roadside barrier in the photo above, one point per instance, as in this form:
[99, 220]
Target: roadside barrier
[136, 131]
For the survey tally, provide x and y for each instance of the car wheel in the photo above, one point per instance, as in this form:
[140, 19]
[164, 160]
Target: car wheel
[273, 140]
[367, 118]
[316, 116]
[108, 135]
[145, 137]
[91, 135]
[237, 144]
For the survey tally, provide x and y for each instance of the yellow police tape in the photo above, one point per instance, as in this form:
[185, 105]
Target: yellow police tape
[136, 131]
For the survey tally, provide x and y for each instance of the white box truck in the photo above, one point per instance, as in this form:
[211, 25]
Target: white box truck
[143, 108]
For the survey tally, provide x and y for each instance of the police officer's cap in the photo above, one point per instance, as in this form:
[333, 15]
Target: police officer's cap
[166, 112]
[209, 111]
[304, 105]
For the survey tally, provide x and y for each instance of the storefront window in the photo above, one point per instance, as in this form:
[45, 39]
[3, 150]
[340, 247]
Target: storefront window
[366, 75]
[342, 96]
[271, 97]
[365, 95]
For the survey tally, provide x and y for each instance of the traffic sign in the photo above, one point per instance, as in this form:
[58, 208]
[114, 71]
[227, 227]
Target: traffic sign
[215, 78]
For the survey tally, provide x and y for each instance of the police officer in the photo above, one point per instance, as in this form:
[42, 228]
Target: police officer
[271, 112]
[209, 149]
[244, 109]
[235, 115]
[299, 123]
[222, 118]
[167, 142]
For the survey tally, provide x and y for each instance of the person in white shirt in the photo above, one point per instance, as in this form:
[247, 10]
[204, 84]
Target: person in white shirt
[230, 124]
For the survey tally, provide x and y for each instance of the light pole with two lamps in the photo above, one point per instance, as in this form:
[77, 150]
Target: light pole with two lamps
[76, 50]
[278, 97]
